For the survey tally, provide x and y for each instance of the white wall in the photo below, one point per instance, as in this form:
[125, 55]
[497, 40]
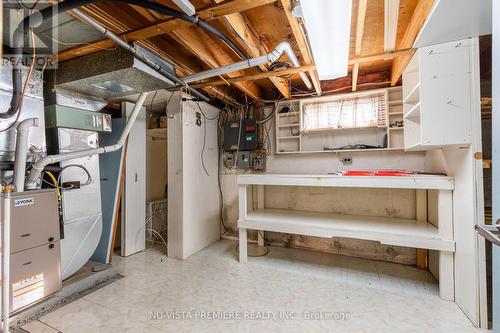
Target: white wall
[392, 202]
[193, 204]
[157, 174]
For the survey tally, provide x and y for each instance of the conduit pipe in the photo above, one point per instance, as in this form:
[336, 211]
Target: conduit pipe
[35, 20]
[40, 165]
[136, 53]
[283, 47]
[21, 150]
[6, 262]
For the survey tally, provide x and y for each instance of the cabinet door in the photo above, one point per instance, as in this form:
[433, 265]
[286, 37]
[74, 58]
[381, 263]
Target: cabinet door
[446, 94]
[133, 235]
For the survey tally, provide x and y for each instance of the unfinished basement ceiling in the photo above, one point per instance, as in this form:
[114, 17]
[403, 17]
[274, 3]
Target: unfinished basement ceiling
[247, 23]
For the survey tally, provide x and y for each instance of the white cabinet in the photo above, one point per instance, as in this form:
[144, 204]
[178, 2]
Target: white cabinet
[437, 89]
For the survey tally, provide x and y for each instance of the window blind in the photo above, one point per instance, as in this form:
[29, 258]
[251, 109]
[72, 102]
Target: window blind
[336, 113]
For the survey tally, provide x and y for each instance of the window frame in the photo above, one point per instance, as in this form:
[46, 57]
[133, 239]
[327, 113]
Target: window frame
[351, 95]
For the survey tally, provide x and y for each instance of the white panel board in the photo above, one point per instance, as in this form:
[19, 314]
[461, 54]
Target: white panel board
[134, 191]
[193, 194]
[451, 20]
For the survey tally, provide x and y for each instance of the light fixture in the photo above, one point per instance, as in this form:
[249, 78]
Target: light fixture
[328, 25]
[186, 6]
[296, 9]
[391, 14]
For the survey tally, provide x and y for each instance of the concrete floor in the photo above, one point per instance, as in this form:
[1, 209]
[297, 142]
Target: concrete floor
[286, 291]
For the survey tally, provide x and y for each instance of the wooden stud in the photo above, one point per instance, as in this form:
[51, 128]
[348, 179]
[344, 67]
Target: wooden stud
[300, 38]
[417, 21]
[244, 35]
[380, 56]
[360, 28]
[255, 77]
[212, 54]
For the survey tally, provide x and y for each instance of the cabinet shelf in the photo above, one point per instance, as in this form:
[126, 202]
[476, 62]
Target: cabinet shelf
[414, 95]
[414, 112]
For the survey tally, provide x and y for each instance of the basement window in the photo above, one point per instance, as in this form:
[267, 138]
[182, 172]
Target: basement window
[364, 110]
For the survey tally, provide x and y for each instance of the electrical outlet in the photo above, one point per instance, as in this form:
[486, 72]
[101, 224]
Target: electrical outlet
[346, 160]
[198, 118]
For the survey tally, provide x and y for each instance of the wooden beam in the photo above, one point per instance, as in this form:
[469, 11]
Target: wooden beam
[417, 21]
[243, 34]
[260, 76]
[369, 80]
[213, 55]
[360, 28]
[300, 38]
[380, 56]
[212, 12]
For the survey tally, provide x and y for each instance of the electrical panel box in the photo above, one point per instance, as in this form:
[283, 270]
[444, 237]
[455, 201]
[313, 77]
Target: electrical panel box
[243, 161]
[59, 116]
[246, 137]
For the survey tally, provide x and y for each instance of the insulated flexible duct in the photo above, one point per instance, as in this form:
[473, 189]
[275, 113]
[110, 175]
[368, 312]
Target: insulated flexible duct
[36, 19]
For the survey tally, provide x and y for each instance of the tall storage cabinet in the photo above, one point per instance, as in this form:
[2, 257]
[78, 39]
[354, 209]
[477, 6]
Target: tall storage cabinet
[437, 96]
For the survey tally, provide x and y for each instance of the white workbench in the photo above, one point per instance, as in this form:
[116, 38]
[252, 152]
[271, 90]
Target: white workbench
[416, 233]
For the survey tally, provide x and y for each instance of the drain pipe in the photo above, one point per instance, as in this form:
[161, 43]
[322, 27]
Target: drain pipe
[40, 165]
[283, 47]
[136, 53]
[21, 150]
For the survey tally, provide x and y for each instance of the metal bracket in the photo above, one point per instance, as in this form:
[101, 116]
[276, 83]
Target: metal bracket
[490, 232]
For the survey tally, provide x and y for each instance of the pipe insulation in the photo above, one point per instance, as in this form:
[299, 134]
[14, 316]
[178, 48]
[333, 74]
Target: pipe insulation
[21, 151]
[35, 20]
[283, 47]
[136, 53]
[40, 165]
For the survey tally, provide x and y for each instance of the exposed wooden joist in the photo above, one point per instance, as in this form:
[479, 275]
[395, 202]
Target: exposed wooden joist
[260, 76]
[380, 56]
[419, 16]
[360, 28]
[300, 38]
[166, 26]
[243, 34]
[212, 54]
[366, 81]
[391, 14]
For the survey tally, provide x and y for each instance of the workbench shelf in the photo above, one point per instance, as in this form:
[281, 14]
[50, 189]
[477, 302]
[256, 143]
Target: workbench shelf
[415, 233]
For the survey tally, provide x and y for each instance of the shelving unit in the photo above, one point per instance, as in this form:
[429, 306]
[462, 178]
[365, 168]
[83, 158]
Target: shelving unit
[415, 233]
[290, 139]
[436, 95]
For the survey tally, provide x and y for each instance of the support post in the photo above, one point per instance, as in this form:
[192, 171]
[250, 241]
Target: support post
[446, 259]
[243, 209]
[422, 254]
[260, 205]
